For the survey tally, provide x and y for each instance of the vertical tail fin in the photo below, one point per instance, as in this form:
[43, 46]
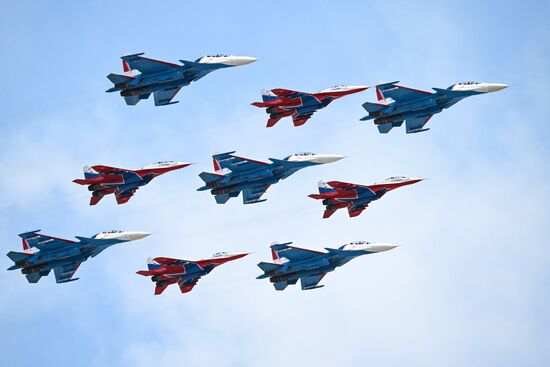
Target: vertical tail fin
[89, 172]
[379, 94]
[125, 66]
[152, 264]
[267, 95]
[216, 164]
[274, 255]
[324, 187]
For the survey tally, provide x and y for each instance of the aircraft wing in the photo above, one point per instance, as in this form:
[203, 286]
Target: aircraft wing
[125, 195]
[401, 94]
[188, 285]
[253, 194]
[146, 65]
[236, 163]
[417, 125]
[295, 253]
[43, 242]
[301, 118]
[64, 273]
[288, 93]
[165, 96]
[311, 282]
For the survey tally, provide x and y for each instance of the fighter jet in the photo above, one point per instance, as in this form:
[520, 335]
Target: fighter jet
[310, 266]
[337, 195]
[300, 105]
[165, 271]
[235, 174]
[43, 253]
[165, 79]
[397, 104]
[104, 180]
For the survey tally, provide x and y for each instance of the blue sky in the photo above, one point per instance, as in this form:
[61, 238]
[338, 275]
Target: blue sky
[468, 286]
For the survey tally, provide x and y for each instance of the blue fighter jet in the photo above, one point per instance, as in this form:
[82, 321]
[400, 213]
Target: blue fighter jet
[43, 253]
[310, 266]
[165, 79]
[235, 174]
[397, 104]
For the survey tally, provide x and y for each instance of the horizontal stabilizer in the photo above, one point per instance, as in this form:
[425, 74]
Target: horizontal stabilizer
[268, 266]
[18, 256]
[209, 177]
[117, 78]
[374, 107]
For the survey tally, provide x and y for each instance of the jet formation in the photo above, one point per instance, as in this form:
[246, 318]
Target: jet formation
[281, 103]
[165, 271]
[397, 104]
[234, 174]
[356, 198]
[104, 180]
[42, 253]
[165, 79]
[291, 264]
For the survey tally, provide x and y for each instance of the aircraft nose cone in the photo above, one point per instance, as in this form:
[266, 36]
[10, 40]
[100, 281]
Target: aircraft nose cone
[132, 236]
[243, 60]
[328, 158]
[494, 87]
[383, 247]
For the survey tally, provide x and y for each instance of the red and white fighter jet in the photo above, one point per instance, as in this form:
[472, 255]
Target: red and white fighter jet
[280, 103]
[186, 273]
[337, 195]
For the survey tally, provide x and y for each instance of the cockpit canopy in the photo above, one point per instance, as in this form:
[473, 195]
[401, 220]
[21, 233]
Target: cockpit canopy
[220, 254]
[336, 87]
[464, 83]
[106, 232]
[396, 178]
[160, 164]
[355, 243]
[301, 154]
[210, 56]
